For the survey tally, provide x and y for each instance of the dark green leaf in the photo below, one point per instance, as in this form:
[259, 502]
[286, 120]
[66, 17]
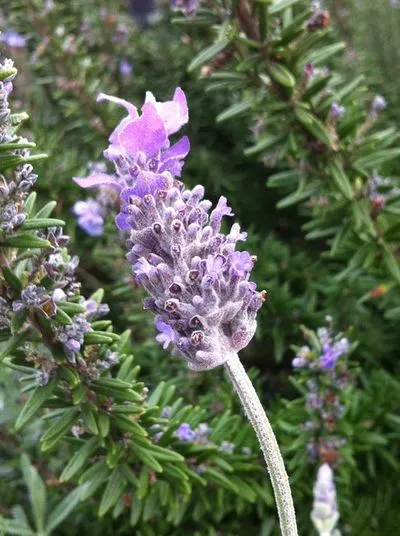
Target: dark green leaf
[281, 75]
[36, 400]
[24, 241]
[276, 7]
[41, 223]
[235, 110]
[37, 491]
[64, 508]
[78, 460]
[113, 491]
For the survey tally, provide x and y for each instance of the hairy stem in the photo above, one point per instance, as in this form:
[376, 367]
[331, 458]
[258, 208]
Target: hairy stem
[269, 446]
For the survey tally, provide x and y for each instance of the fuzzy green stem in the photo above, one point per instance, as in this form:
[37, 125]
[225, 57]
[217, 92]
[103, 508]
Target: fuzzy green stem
[269, 446]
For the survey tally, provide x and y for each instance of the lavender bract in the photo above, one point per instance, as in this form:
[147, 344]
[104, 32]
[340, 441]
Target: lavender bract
[199, 285]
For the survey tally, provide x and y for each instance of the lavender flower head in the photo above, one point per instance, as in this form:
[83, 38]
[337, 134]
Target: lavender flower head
[198, 284]
[325, 512]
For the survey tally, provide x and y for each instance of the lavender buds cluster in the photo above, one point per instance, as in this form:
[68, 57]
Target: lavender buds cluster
[198, 283]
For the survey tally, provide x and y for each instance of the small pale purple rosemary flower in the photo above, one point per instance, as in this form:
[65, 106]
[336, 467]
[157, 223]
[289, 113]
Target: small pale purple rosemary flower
[95, 310]
[227, 446]
[378, 105]
[203, 432]
[12, 39]
[72, 336]
[185, 432]
[188, 7]
[325, 513]
[125, 68]
[308, 72]
[36, 298]
[301, 359]
[199, 285]
[89, 216]
[332, 349]
[331, 353]
[337, 111]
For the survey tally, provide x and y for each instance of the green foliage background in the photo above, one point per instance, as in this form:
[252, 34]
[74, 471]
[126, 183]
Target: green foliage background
[70, 57]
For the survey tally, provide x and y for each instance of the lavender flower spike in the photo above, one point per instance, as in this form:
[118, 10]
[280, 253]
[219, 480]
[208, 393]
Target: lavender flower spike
[198, 284]
[325, 513]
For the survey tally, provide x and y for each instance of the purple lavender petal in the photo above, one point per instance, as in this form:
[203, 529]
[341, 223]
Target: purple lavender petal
[173, 113]
[166, 334]
[172, 158]
[147, 183]
[13, 39]
[219, 212]
[122, 221]
[241, 262]
[98, 179]
[145, 134]
[215, 264]
[130, 108]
